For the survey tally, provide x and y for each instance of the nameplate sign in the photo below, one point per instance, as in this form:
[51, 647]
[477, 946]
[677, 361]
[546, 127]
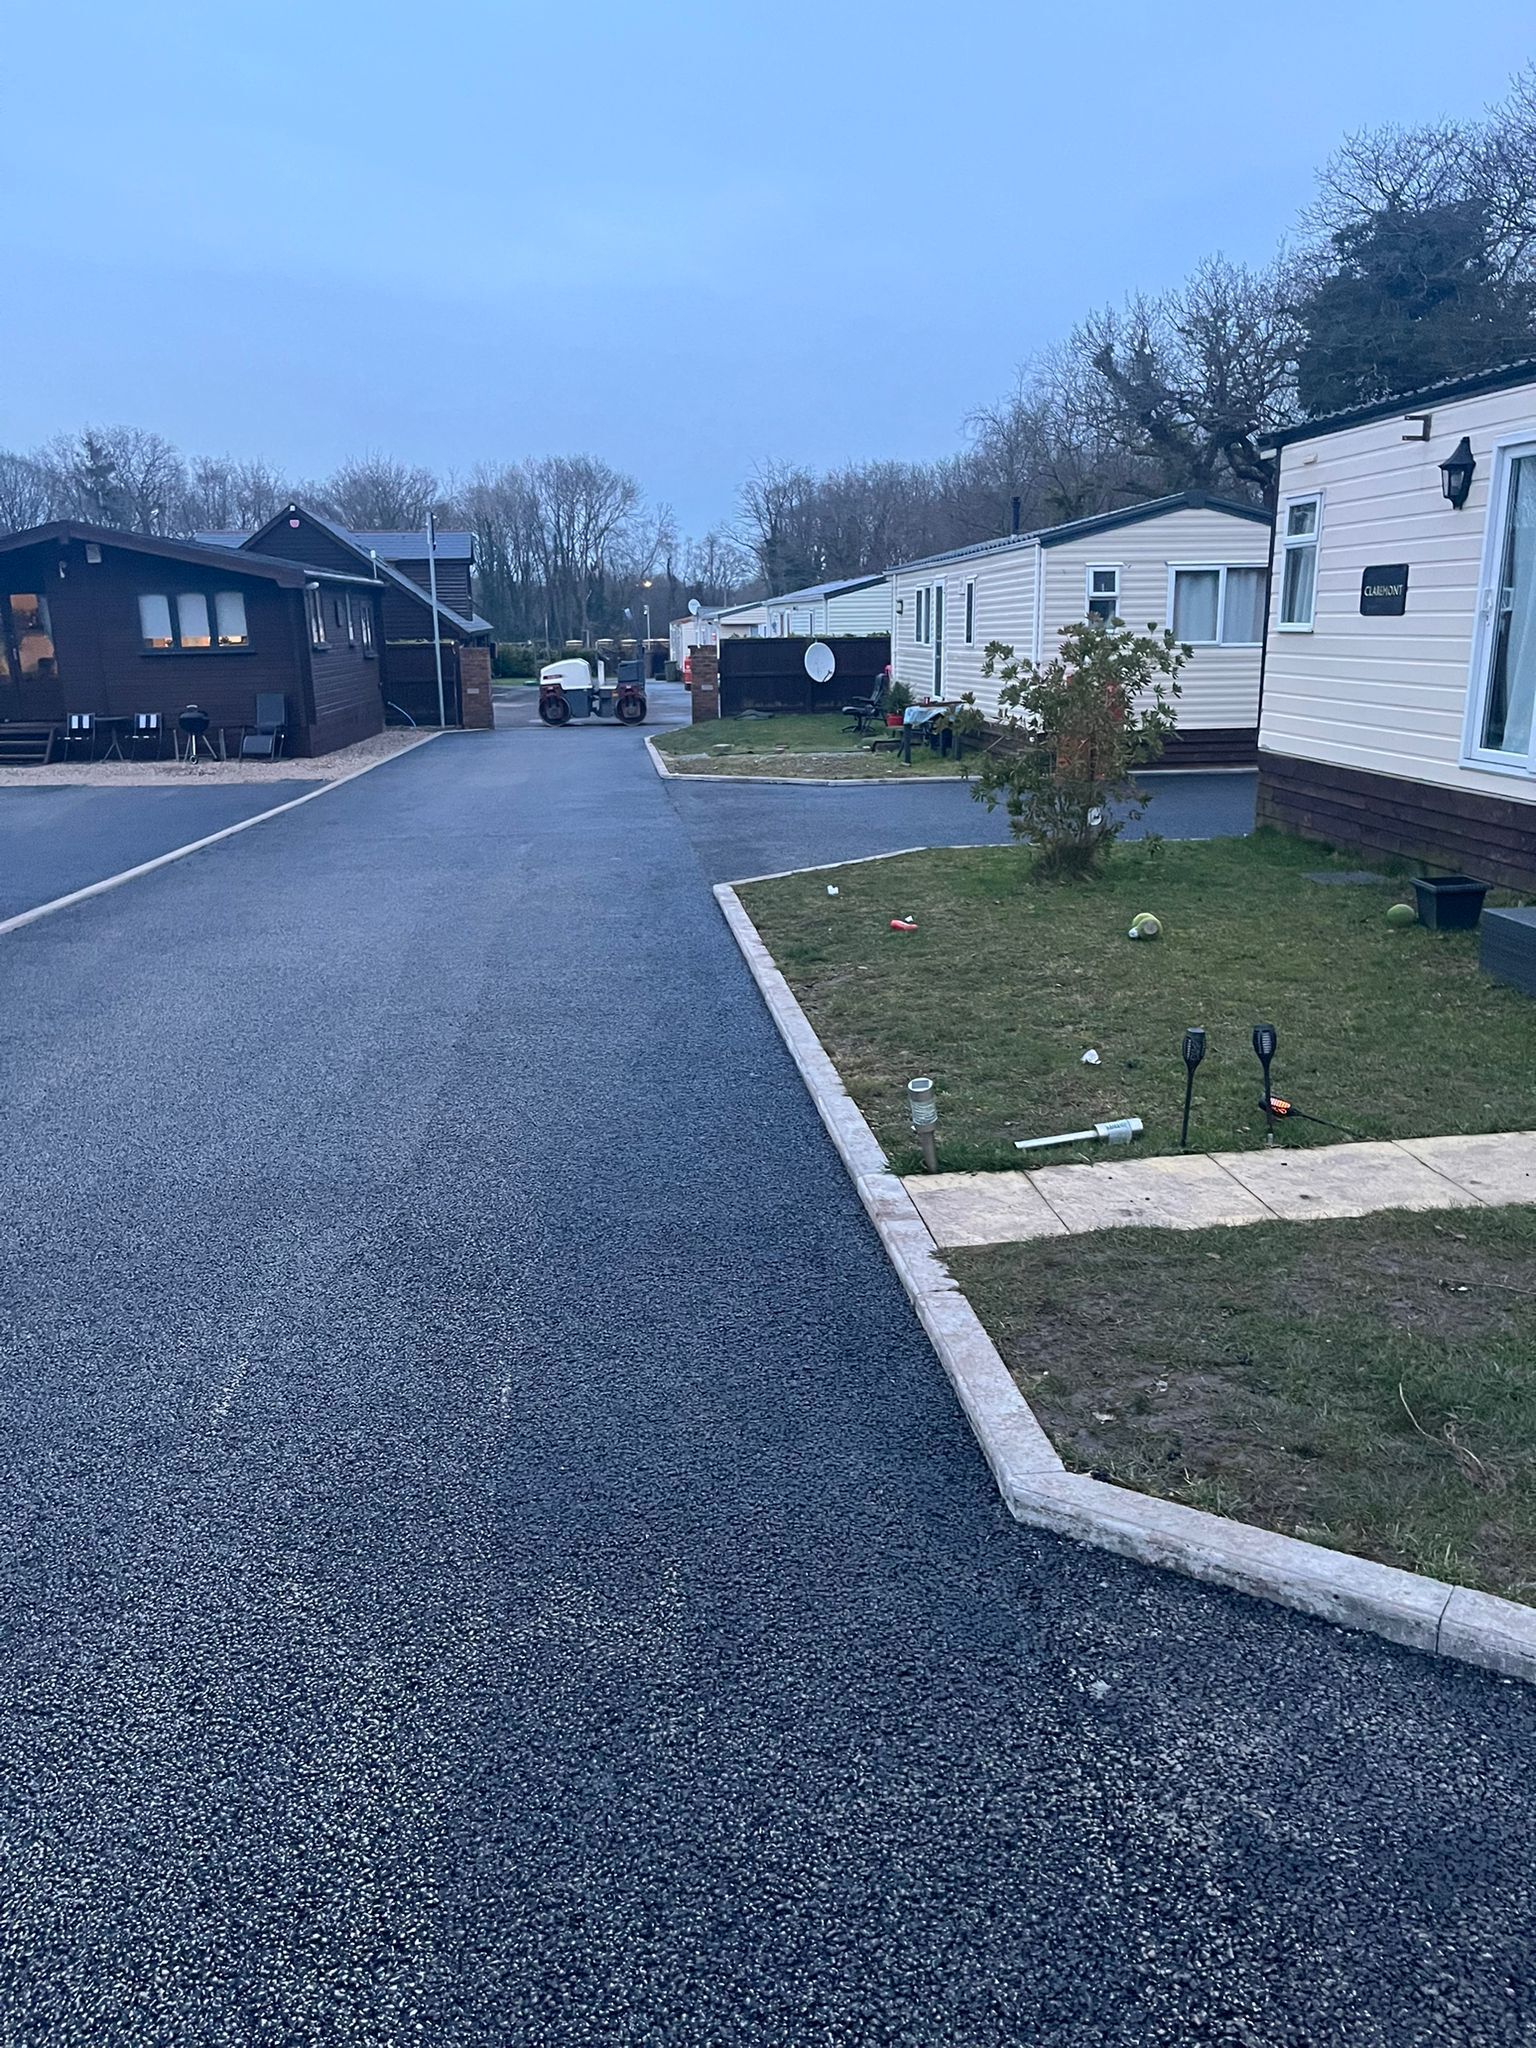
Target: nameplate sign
[1384, 591]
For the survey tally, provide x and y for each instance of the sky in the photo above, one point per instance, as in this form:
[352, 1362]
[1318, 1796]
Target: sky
[689, 237]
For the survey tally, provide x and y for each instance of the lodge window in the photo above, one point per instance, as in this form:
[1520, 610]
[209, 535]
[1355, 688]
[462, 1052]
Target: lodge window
[1104, 594]
[1218, 606]
[316, 606]
[168, 624]
[1298, 564]
[970, 615]
[365, 612]
[351, 623]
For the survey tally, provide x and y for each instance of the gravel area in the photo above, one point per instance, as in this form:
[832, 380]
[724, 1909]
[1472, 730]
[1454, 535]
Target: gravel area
[209, 774]
[492, 1558]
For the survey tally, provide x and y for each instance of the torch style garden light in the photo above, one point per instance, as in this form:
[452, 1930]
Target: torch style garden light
[925, 1120]
[1265, 1039]
[1194, 1053]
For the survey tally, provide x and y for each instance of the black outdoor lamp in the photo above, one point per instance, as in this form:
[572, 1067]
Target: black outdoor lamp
[1265, 1039]
[1456, 473]
[1194, 1053]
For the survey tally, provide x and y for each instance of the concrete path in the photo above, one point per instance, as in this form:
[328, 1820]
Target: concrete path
[490, 1558]
[1204, 1189]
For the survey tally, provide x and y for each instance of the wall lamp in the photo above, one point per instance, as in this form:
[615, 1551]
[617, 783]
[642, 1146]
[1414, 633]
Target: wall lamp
[1456, 473]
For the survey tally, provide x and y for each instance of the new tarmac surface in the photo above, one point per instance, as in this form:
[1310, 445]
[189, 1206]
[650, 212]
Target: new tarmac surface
[490, 1557]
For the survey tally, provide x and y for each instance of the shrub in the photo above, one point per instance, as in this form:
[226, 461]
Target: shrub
[898, 698]
[1084, 723]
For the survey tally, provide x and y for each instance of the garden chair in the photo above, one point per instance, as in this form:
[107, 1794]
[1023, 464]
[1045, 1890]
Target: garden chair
[864, 710]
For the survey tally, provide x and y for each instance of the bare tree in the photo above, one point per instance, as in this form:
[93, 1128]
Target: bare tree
[28, 493]
[376, 492]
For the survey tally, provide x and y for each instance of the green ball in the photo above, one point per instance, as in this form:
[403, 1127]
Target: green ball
[1402, 913]
[1146, 926]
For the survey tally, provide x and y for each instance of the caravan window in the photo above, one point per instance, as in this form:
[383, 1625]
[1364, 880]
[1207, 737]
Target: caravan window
[1104, 594]
[1298, 567]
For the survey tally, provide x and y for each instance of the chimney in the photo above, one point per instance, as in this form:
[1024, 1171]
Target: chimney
[1014, 512]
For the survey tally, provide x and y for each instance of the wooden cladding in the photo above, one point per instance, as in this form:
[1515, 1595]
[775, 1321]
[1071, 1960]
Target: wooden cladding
[1490, 838]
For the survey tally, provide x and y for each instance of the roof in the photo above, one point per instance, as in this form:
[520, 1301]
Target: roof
[1521, 372]
[412, 547]
[814, 591]
[1097, 522]
[294, 575]
[392, 547]
[378, 568]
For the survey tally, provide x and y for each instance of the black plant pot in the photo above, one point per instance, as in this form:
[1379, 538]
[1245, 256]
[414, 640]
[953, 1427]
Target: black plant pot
[1449, 903]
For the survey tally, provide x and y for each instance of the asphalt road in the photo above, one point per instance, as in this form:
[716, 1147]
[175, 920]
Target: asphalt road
[490, 1557]
[53, 841]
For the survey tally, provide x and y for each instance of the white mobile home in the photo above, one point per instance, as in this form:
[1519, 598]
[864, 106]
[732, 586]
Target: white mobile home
[711, 625]
[1197, 563]
[862, 605]
[1400, 664]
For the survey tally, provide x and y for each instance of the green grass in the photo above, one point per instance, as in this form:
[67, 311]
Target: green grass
[793, 743]
[1256, 1372]
[1007, 981]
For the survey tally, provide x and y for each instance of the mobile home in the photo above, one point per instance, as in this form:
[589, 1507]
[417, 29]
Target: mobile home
[1197, 563]
[1400, 662]
[712, 624]
[822, 610]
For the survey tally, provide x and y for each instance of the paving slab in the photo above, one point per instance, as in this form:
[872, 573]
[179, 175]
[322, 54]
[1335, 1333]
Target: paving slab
[1500, 1168]
[1177, 1194]
[1343, 1180]
[983, 1208]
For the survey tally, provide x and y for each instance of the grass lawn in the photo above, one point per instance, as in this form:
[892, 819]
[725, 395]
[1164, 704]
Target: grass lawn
[791, 743]
[1256, 1373]
[1007, 981]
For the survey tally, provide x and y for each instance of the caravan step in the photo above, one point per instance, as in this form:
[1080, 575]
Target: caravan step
[26, 746]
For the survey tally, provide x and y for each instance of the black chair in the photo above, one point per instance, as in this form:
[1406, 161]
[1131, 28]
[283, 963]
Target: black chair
[264, 740]
[148, 734]
[864, 710]
[80, 731]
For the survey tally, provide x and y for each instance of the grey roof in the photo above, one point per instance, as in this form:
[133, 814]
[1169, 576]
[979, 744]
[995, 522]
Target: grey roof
[1521, 372]
[412, 547]
[391, 547]
[814, 591]
[1097, 522]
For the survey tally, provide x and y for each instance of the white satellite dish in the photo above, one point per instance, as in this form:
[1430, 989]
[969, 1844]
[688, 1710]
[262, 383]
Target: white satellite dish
[694, 607]
[820, 662]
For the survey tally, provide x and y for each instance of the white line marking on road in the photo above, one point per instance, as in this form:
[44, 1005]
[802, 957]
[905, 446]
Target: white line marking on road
[164, 860]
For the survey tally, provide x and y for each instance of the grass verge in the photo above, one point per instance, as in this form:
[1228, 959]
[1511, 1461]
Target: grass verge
[1007, 981]
[791, 743]
[1369, 1385]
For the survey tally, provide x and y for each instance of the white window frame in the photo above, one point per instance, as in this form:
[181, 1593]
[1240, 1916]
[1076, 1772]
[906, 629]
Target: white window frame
[1480, 673]
[1089, 593]
[1284, 547]
[1220, 569]
[970, 612]
[314, 598]
[365, 626]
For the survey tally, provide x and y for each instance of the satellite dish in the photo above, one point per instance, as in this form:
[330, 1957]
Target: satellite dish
[820, 662]
[694, 607]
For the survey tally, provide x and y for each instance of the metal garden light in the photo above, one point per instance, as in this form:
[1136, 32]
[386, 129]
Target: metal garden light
[1265, 1039]
[1194, 1053]
[1121, 1130]
[925, 1120]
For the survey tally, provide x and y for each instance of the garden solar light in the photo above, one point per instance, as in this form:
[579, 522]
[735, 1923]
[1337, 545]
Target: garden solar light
[925, 1120]
[1120, 1131]
[1194, 1053]
[1265, 1039]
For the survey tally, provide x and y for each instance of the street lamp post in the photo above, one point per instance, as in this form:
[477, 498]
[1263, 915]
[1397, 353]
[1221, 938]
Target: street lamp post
[645, 646]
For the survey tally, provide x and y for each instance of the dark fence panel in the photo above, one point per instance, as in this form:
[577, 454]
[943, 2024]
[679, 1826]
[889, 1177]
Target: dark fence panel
[410, 682]
[769, 675]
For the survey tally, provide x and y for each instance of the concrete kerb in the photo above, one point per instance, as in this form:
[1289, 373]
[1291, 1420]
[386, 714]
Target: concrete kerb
[165, 860]
[1350, 1592]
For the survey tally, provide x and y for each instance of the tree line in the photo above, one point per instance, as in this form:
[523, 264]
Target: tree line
[1415, 261]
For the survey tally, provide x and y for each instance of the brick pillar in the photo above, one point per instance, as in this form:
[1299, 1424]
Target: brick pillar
[704, 667]
[475, 706]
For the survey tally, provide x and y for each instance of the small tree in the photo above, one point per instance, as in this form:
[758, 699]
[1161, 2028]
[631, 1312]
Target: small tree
[1080, 728]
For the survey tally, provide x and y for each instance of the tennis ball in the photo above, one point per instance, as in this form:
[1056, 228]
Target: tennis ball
[1402, 913]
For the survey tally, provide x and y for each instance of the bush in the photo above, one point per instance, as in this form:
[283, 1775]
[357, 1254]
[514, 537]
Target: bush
[518, 658]
[898, 699]
[1083, 724]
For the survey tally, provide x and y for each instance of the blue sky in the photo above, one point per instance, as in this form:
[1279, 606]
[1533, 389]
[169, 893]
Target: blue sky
[686, 237]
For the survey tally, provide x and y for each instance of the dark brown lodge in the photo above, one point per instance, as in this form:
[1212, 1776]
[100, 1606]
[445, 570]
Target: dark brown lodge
[96, 620]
